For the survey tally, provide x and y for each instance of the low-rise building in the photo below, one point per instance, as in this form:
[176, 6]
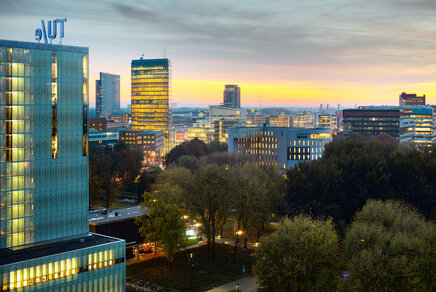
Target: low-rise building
[97, 138]
[98, 124]
[280, 120]
[282, 147]
[151, 143]
[373, 120]
[418, 126]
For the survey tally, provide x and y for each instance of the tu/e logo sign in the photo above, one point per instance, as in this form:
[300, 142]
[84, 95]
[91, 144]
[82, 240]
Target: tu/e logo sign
[51, 31]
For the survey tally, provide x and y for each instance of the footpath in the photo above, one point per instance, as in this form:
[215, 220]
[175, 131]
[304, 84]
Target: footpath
[247, 284]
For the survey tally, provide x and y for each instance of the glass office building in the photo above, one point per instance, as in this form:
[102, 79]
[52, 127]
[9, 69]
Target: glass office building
[107, 95]
[151, 96]
[44, 239]
[281, 147]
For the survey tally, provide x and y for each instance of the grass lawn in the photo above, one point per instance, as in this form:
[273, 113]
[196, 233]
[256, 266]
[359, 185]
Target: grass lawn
[208, 274]
[189, 242]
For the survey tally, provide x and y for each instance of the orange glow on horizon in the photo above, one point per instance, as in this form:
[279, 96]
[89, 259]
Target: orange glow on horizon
[279, 93]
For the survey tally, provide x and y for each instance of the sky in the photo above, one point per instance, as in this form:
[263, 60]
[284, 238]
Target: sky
[281, 52]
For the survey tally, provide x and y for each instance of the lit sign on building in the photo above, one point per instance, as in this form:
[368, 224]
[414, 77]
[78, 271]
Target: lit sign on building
[51, 31]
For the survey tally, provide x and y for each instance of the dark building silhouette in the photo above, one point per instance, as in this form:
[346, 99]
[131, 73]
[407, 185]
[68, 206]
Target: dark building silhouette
[232, 96]
[411, 99]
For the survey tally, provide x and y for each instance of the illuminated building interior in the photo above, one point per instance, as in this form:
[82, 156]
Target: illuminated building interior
[151, 96]
[281, 147]
[44, 169]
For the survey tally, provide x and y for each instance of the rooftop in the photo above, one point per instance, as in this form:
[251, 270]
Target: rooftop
[114, 215]
[41, 46]
[8, 256]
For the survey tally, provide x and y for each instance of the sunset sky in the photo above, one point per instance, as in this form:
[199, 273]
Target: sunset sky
[286, 53]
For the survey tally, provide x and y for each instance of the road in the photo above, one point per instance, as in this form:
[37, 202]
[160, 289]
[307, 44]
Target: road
[247, 284]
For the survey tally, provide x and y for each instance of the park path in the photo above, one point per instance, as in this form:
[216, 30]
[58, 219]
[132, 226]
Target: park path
[247, 284]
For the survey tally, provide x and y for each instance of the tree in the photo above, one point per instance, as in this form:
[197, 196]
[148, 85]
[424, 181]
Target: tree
[193, 147]
[301, 255]
[390, 247]
[208, 196]
[163, 220]
[147, 179]
[216, 146]
[189, 162]
[254, 193]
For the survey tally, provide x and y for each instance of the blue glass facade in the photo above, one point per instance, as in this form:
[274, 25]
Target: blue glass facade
[43, 151]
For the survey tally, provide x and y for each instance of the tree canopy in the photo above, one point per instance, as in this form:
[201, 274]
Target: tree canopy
[390, 247]
[301, 255]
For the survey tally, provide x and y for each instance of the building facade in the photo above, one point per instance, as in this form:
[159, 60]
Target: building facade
[151, 143]
[218, 113]
[232, 96]
[281, 147]
[280, 120]
[418, 126]
[107, 95]
[151, 96]
[102, 138]
[373, 120]
[99, 124]
[44, 239]
[411, 99]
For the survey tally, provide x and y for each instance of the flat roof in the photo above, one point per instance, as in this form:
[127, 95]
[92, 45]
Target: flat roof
[9, 256]
[43, 46]
[97, 218]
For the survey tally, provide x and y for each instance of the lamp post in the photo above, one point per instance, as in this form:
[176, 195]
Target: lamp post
[192, 267]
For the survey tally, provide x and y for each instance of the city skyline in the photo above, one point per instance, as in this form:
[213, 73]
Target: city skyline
[291, 54]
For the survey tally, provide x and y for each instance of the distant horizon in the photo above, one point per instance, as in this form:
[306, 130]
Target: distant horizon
[348, 53]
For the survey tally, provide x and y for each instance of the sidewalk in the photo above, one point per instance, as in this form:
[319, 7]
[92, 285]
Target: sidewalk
[247, 284]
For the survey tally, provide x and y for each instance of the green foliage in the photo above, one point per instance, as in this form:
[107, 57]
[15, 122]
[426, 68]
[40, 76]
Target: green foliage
[208, 274]
[163, 221]
[109, 166]
[188, 161]
[255, 192]
[147, 179]
[390, 247]
[302, 255]
[216, 146]
[193, 147]
[351, 172]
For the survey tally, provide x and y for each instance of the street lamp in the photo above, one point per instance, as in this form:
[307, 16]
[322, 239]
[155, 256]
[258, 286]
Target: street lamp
[192, 268]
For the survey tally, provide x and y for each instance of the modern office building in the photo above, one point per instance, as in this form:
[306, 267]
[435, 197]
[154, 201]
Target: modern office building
[256, 118]
[218, 113]
[45, 244]
[102, 138]
[373, 120]
[304, 119]
[280, 120]
[151, 96]
[99, 124]
[409, 99]
[107, 95]
[282, 147]
[418, 126]
[221, 128]
[232, 96]
[151, 143]
[203, 133]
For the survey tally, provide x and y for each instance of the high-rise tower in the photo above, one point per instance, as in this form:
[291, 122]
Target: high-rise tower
[232, 96]
[107, 95]
[44, 240]
[151, 96]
